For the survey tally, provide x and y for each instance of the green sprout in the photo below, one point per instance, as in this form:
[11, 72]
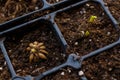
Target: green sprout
[92, 19]
[87, 33]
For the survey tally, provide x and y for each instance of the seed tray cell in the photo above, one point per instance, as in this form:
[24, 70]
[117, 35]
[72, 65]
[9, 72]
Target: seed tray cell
[16, 46]
[46, 8]
[50, 13]
[74, 25]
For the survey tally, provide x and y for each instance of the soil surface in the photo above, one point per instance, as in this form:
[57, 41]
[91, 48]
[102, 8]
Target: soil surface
[74, 24]
[20, 56]
[82, 37]
[10, 9]
[53, 1]
[114, 7]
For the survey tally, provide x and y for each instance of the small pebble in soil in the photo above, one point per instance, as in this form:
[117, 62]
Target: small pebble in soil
[36, 8]
[21, 40]
[90, 40]
[62, 73]
[69, 70]
[19, 70]
[105, 4]
[81, 12]
[57, 58]
[76, 43]
[13, 16]
[83, 33]
[109, 63]
[10, 51]
[77, 54]
[5, 63]
[97, 40]
[80, 73]
[110, 69]
[1, 68]
[87, 5]
[108, 33]
[57, 0]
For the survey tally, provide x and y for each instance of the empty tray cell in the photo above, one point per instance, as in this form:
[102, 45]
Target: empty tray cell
[34, 50]
[105, 66]
[53, 1]
[86, 28]
[4, 72]
[10, 9]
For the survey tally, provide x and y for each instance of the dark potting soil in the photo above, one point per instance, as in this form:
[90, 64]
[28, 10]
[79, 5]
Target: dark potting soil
[10, 9]
[53, 1]
[75, 23]
[114, 7]
[105, 66]
[16, 47]
[4, 72]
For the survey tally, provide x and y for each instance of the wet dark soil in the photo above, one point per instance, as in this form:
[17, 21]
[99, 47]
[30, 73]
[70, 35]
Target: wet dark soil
[4, 72]
[53, 1]
[73, 24]
[114, 7]
[107, 67]
[16, 47]
[10, 9]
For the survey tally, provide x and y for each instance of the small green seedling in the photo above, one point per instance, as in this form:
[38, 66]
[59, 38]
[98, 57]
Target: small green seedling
[92, 18]
[87, 33]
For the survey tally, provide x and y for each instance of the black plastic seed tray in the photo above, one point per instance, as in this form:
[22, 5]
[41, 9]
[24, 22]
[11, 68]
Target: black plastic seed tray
[22, 23]
[46, 8]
